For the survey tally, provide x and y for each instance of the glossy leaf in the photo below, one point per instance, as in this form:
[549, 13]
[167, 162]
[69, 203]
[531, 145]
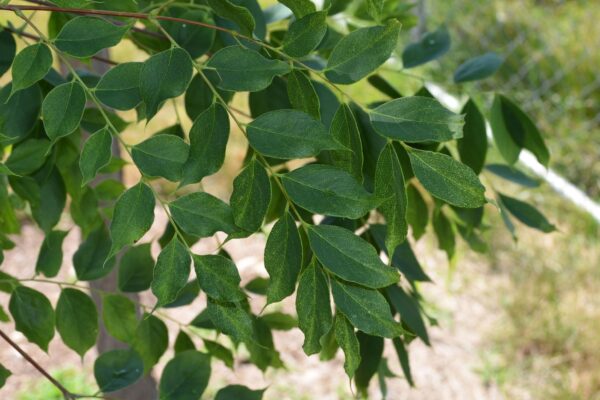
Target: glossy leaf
[119, 88]
[283, 258]
[135, 269]
[119, 316]
[62, 110]
[251, 196]
[30, 66]
[477, 68]
[390, 186]
[346, 338]
[305, 34]
[416, 119]
[472, 147]
[447, 179]
[33, 315]
[349, 257]
[161, 155]
[163, 76]
[95, 155]
[201, 214]
[218, 277]
[289, 134]
[432, 45]
[366, 309]
[171, 272]
[28, 156]
[208, 140]
[151, 340]
[302, 94]
[236, 13]
[239, 392]
[117, 369]
[50, 256]
[244, 70]
[527, 214]
[77, 320]
[91, 259]
[345, 131]
[313, 307]
[185, 377]
[18, 114]
[361, 52]
[85, 36]
[133, 217]
[324, 189]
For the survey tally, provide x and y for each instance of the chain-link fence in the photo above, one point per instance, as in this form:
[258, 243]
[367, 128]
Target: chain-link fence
[551, 68]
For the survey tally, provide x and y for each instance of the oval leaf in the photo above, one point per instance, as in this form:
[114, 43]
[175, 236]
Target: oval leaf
[161, 155]
[119, 88]
[185, 377]
[478, 68]
[95, 155]
[171, 272]
[117, 369]
[218, 277]
[251, 196]
[33, 315]
[62, 110]
[85, 36]
[30, 65]
[77, 320]
[201, 214]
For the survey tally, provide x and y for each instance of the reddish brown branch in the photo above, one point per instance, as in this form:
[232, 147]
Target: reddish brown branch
[30, 360]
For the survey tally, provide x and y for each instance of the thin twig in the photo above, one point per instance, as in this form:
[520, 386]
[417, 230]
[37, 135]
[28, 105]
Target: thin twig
[65, 392]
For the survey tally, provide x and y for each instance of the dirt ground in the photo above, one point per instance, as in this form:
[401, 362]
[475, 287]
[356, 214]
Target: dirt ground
[465, 308]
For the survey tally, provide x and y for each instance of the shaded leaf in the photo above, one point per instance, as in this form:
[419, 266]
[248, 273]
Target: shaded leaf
[30, 65]
[432, 45]
[135, 269]
[185, 377]
[346, 338]
[218, 277]
[33, 315]
[161, 155]
[477, 68]
[62, 110]
[201, 214]
[117, 369]
[95, 155]
[77, 320]
[119, 88]
[251, 196]
[85, 36]
[527, 214]
[305, 34]
[171, 272]
[50, 256]
[472, 147]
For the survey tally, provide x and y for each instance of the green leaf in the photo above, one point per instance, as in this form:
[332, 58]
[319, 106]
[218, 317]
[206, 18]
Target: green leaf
[444, 231]
[361, 52]
[8, 48]
[53, 192]
[513, 130]
[50, 256]
[346, 338]
[30, 66]
[119, 88]
[163, 76]
[238, 392]
[171, 272]
[527, 214]
[119, 316]
[299, 7]
[313, 307]
[345, 131]
[417, 212]
[432, 45]
[199, 96]
[194, 39]
[409, 311]
[302, 94]
[305, 34]
[28, 156]
[251, 196]
[201, 214]
[62, 110]
[85, 36]
[208, 141]
[220, 352]
[19, 113]
[185, 377]
[136, 269]
[371, 351]
[404, 361]
[132, 218]
[95, 155]
[472, 148]
[289, 134]
[233, 12]
[117, 369]
[219, 278]
[512, 174]
[283, 258]
[447, 179]
[33, 315]
[389, 185]
[366, 309]
[232, 320]
[324, 189]
[416, 119]
[186, 296]
[350, 257]
[77, 320]
[244, 70]
[151, 340]
[477, 68]
[4, 373]
[280, 321]
[91, 260]
[161, 155]
[183, 342]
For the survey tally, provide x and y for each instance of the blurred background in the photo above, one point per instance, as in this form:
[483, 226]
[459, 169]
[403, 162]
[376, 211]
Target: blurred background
[520, 322]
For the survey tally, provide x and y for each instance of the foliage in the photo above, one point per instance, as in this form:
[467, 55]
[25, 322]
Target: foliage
[367, 173]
